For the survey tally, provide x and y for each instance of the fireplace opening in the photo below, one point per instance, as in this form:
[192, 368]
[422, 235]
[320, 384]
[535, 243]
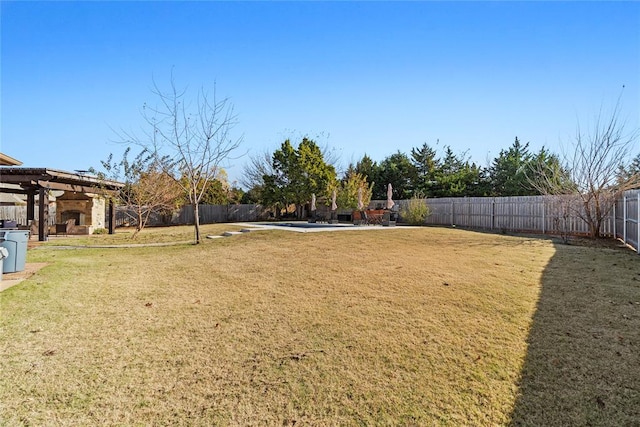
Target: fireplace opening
[77, 215]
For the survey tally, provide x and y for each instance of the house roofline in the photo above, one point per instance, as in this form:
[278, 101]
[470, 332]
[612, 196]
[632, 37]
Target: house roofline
[8, 160]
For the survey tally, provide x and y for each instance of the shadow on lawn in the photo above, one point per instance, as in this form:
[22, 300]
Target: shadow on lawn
[582, 367]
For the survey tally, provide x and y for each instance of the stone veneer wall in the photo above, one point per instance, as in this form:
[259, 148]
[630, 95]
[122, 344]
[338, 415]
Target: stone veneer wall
[98, 213]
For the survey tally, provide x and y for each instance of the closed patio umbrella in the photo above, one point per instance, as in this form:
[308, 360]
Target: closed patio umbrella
[390, 202]
[360, 204]
[313, 202]
[333, 201]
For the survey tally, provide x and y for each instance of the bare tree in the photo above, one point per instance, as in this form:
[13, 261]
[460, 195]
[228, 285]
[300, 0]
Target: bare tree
[194, 135]
[258, 166]
[148, 189]
[590, 173]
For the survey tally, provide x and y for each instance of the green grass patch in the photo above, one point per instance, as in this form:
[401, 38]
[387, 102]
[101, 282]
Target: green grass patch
[149, 235]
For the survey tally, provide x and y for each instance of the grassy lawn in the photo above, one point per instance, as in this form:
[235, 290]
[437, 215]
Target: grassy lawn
[124, 236]
[421, 326]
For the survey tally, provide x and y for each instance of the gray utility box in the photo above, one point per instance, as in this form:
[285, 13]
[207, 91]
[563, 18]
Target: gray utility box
[15, 242]
[3, 254]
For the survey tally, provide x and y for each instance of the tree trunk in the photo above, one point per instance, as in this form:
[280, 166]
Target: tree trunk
[196, 215]
[596, 228]
[140, 223]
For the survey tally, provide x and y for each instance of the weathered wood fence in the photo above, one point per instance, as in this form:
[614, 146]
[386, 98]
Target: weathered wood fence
[19, 214]
[626, 214]
[209, 214]
[534, 214]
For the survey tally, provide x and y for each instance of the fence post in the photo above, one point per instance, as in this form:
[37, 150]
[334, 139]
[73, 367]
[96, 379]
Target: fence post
[615, 234]
[638, 224]
[452, 212]
[624, 219]
[493, 212]
[544, 219]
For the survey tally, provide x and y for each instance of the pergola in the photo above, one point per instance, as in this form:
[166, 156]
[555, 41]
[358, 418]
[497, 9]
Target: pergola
[38, 181]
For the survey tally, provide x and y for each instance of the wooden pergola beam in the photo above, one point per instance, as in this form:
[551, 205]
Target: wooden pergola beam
[14, 190]
[51, 185]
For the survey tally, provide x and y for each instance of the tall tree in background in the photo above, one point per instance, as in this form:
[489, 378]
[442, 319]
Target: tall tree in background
[546, 160]
[368, 169]
[398, 171]
[508, 171]
[195, 135]
[260, 165]
[457, 177]
[628, 171]
[297, 173]
[427, 164]
[591, 171]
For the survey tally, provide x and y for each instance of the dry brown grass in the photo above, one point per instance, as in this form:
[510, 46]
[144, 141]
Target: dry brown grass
[416, 326]
[583, 360]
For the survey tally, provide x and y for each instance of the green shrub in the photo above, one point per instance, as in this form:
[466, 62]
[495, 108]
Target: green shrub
[100, 231]
[416, 211]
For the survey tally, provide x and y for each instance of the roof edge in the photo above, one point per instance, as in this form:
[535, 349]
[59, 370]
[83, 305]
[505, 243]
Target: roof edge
[8, 160]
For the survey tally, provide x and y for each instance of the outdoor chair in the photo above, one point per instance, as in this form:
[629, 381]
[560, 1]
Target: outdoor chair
[374, 219]
[364, 217]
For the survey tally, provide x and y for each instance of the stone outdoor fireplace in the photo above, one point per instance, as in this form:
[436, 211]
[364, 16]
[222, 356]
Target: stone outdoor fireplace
[87, 210]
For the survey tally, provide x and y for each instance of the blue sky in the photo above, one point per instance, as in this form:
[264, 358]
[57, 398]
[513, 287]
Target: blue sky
[361, 77]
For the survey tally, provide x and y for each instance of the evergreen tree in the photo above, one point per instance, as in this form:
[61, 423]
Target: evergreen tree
[426, 164]
[457, 177]
[368, 169]
[297, 174]
[508, 173]
[398, 171]
[629, 171]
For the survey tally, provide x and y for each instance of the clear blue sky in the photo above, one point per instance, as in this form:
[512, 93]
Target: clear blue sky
[368, 77]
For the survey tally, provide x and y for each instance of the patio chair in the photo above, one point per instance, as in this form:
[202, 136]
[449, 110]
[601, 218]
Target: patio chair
[364, 217]
[374, 219]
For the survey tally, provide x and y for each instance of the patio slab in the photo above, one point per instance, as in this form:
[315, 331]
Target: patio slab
[306, 227]
[12, 279]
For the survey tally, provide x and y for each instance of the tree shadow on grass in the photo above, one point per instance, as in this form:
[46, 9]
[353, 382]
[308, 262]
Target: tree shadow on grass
[582, 366]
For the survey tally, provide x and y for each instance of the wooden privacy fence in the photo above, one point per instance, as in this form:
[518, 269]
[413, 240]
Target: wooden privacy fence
[626, 212]
[209, 214]
[536, 214]
[19, 214]
[532, 214]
